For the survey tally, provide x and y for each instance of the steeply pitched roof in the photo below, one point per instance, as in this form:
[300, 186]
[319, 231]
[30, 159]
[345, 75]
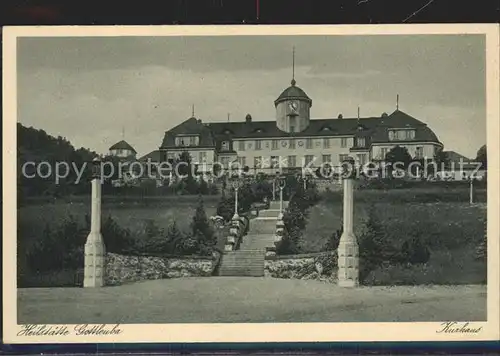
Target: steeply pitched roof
[453, 156]
[190, 126]
[400, 120]
[153, 155]
[122, 145]
[373, 127]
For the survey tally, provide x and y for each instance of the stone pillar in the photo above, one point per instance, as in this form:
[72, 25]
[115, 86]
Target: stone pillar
[348, 253]
[95, 251]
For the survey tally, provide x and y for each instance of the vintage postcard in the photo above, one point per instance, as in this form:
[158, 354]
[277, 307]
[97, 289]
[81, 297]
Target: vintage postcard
[251, 183]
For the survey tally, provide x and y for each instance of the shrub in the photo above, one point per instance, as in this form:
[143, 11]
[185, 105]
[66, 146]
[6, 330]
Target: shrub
[375, 249]
[225, 208]
[482, 248]
[415, 251]
[333, 241]
[202, 231]
[118, 239]
[58, 248]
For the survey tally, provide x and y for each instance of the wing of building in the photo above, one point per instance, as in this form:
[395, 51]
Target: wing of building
[293, 140]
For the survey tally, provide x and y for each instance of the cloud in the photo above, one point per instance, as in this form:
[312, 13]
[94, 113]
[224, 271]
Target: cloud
[87, 89]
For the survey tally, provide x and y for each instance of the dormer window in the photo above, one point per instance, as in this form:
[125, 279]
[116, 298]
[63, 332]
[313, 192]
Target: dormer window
[225, 146]
[360, 142]
[187, 140]
[227, 132]
[401, 134]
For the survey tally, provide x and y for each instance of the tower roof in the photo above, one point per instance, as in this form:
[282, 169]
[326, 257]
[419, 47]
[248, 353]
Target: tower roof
[122, 145]
[293, 92]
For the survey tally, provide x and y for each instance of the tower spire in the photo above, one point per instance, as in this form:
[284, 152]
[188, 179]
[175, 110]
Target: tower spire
[228, 115]
[358, 114]
[123, 132]
[192, 110]
[397, 102]
[293, 66]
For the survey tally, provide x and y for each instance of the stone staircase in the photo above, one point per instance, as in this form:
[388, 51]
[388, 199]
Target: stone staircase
[249, 259]
[248, 263]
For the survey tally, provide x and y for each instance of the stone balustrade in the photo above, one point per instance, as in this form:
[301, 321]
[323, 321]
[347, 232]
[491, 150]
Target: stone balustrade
[238, 228]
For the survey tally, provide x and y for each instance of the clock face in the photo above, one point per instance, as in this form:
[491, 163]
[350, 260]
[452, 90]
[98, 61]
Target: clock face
[293, 105]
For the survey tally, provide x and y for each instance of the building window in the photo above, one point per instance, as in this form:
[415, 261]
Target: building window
[225, 162]
[360, 142]
[343, 157]
[292, 128]
[343, 142]
[327, 158]
[203, 156]
[274, 144]
[275, 161]
[241, 145]
[225, 145]
[308, 159]
[291, 144]
[258, 144]
[292, 161]
[410, 134]
[242, 161]
[309, 143]
[326, 143]
[192, 141]
[392, 136]
[419, 152]
[257, 162]
[362, 158]
[383, 152]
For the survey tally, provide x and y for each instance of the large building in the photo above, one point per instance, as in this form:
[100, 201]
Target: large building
[293, 139]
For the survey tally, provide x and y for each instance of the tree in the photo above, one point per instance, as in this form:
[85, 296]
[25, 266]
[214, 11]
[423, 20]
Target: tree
[202, 231]
[397, 158]
[415, 251]
[481, 156]
[37, 146]
[374, 247]
[441, 158]
[333, 241]
[174, 237]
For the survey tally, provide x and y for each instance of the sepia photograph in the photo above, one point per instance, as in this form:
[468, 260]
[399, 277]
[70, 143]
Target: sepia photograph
[268, 177]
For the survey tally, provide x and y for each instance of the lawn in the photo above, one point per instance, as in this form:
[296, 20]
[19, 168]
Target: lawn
[129, 213]
[246, 300]
[450, 225]
[443, 217]
[451, 229]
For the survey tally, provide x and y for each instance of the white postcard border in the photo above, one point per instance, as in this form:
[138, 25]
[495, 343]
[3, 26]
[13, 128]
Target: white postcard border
[269, 332]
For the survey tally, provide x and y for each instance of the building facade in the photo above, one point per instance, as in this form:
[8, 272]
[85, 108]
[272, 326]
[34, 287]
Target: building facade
[293, 140]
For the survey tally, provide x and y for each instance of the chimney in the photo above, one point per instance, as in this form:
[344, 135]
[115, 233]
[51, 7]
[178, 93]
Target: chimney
[340, 116]
[248, 118]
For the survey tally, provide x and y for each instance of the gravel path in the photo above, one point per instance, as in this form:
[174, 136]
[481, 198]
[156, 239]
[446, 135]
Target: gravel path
[233, 299]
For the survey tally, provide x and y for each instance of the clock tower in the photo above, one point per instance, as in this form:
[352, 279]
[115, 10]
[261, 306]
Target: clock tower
[293, 109]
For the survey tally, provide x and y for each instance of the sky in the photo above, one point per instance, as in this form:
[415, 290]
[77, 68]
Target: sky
[96, 90]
